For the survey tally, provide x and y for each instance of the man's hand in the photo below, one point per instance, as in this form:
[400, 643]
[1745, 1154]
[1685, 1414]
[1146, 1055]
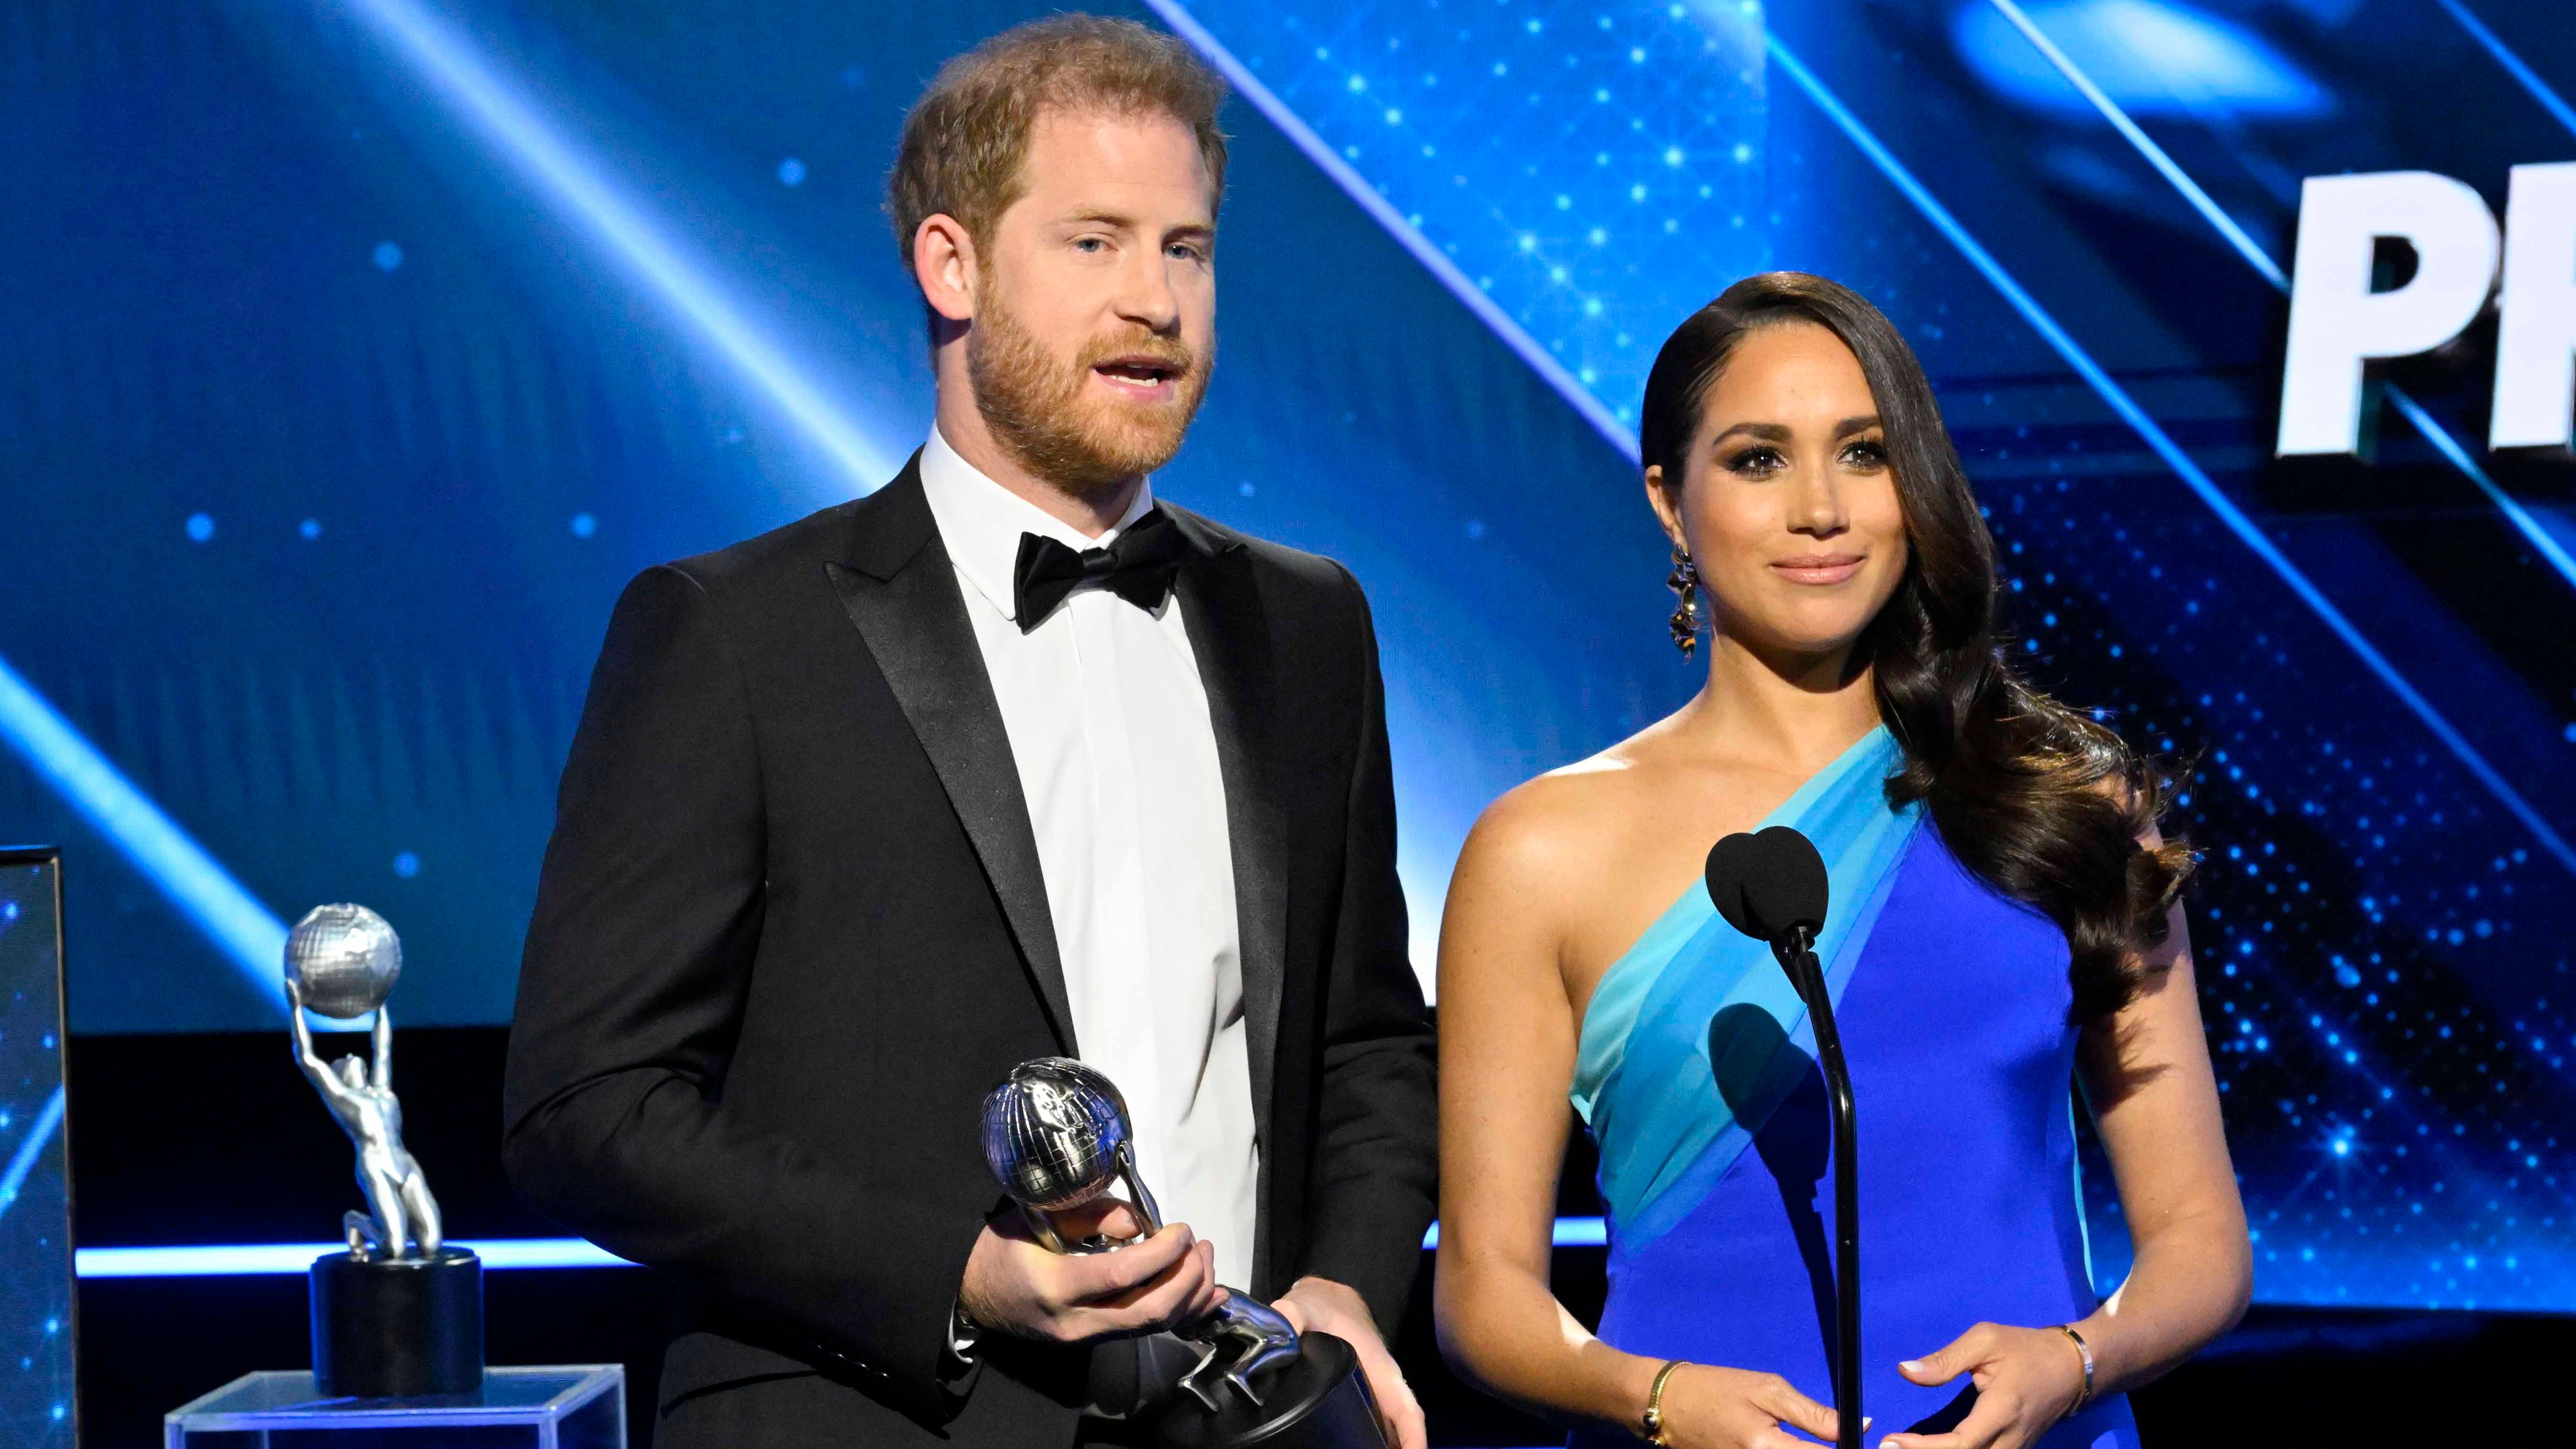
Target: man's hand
[1016, 1286]
[1320, 1305]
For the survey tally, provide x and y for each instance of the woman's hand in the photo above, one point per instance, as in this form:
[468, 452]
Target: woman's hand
[2027, 1380]
[1707, 1407]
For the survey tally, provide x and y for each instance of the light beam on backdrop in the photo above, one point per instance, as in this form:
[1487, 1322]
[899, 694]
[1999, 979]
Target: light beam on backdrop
[2197, 61]
[581, 191]
[2163, 445]
[249, 936]
[234, 1259]
[2528, 78]
[222, 1260]
[40, 1133]
[1185, 25]
[2539, 537]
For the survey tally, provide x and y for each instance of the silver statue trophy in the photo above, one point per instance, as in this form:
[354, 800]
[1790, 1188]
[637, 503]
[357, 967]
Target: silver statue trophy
[398, 1313]
[1057, 1137]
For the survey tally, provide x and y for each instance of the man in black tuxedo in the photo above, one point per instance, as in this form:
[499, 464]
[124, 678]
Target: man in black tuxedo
[1005, 760]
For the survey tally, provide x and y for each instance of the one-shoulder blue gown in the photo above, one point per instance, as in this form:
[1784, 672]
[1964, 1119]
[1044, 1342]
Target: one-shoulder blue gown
[1953, 1003]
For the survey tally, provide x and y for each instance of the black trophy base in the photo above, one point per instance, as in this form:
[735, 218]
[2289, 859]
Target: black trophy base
[397, 1328]
[1316, 1401]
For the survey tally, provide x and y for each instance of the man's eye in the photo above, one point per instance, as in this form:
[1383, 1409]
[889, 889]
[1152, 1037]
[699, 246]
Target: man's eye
[1184, 251]
[1089, 244]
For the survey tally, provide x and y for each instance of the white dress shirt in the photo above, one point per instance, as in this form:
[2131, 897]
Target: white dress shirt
[1108, 724]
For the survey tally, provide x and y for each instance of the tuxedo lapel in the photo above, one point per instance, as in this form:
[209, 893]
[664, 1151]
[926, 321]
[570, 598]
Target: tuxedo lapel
[901, 592]
[1230, 638]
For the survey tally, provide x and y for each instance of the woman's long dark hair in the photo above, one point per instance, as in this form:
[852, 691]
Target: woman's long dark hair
[2038, 800]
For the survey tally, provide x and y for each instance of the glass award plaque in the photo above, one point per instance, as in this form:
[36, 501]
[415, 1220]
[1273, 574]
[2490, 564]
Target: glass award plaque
[579, 1406]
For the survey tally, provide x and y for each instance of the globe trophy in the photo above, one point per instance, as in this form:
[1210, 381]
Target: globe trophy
[398, 1313]
[1057, 1137]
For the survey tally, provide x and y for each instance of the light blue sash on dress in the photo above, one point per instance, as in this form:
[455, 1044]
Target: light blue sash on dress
[1644, 1078]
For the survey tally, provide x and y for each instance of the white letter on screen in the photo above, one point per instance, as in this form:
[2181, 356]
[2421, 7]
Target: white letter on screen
[2337, 323]
[2535, 376]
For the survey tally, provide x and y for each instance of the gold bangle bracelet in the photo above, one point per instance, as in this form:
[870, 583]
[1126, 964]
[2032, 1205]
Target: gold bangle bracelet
[2085, 1351]
[1654, 1420]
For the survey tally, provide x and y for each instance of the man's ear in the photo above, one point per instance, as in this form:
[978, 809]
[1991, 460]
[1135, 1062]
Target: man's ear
[944, 263]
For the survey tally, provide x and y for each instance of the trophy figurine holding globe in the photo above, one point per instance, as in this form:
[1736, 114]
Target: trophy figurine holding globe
[1057, 1136]
[398, 1313]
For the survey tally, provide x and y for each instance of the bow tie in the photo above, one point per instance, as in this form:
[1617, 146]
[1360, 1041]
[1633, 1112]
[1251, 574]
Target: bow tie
[1138, 568]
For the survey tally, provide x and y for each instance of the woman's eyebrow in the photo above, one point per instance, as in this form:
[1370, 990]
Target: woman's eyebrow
[1767, 432]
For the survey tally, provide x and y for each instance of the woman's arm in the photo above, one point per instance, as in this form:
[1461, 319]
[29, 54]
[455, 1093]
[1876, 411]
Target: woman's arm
[1507, 1039]
[2147, 1078]
[1507, 1048]
[2147, 1075]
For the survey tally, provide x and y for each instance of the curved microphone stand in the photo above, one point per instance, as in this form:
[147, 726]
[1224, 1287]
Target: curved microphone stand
[1798, 957]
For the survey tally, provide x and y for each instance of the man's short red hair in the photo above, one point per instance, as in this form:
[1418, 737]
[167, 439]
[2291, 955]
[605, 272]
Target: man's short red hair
[967, 138]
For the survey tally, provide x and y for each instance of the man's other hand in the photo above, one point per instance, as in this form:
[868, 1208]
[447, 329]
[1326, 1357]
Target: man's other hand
[1320, 1305]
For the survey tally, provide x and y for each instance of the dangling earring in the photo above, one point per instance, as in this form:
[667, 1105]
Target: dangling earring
[1684, 582]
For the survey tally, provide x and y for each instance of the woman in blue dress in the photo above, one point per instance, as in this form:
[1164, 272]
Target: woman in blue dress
[2003, 923]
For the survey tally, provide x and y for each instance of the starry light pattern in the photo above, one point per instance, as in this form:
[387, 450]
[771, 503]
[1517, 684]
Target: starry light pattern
[1598, 170]
[2382, 956]
[36, 1370]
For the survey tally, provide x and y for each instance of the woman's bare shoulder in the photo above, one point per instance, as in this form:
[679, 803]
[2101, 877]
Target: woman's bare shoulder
[1548, 830]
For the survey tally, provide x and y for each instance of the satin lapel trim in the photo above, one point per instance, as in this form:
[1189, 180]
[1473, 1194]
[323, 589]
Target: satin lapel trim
[914, 622]
[1230, 638]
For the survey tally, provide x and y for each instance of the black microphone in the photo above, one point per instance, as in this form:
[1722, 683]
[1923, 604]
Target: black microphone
[1772, 886]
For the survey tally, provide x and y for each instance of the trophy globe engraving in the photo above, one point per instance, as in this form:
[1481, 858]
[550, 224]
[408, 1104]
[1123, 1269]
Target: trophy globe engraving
[344, 960]
[1057, 1137]
[400, 1312]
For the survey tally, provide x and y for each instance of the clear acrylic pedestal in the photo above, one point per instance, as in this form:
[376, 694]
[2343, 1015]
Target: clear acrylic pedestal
[577, 1406]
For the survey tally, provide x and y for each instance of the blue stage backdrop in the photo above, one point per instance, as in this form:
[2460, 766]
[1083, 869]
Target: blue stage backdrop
[352, 356]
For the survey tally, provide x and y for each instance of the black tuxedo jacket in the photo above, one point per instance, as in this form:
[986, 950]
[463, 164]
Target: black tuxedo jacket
[791, 929]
